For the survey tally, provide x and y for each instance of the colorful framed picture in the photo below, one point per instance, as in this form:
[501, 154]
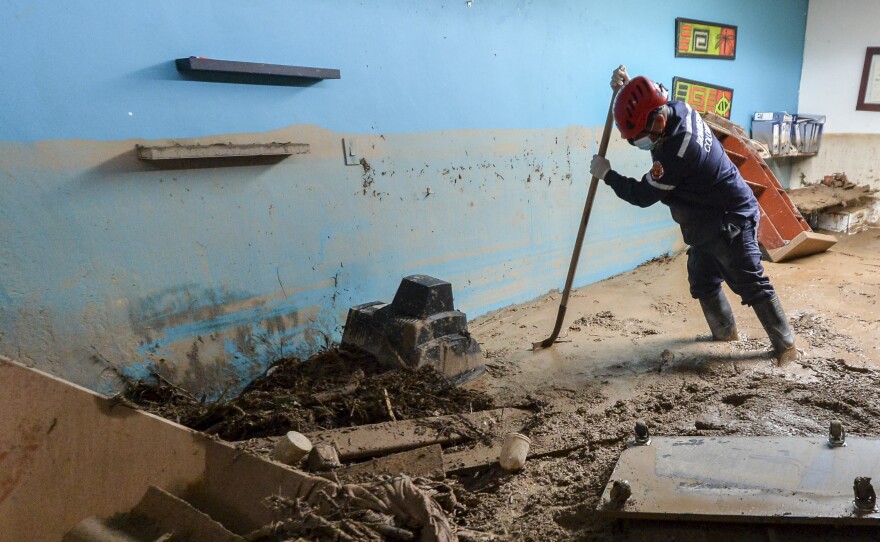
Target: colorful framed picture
[703, 96]
[702, 39]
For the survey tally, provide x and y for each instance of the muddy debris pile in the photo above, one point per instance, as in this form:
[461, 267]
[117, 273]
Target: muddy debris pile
[341, 390]
[335, 388]
[577, 433]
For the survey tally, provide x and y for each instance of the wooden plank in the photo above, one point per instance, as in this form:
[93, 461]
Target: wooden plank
[475, 457]
[380, 439]
[426, 462]
[804, 244]
[482, 455]
[180, 518]
[770, 479]
[219, 150]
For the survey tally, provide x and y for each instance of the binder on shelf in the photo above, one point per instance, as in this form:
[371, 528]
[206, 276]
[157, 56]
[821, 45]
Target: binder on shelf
[786, 134]
[808, 129]
[774, 129]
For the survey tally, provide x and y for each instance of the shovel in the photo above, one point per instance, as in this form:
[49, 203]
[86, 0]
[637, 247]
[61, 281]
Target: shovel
[588, 207]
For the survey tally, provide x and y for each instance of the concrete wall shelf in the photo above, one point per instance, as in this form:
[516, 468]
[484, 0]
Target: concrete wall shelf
[219, 150]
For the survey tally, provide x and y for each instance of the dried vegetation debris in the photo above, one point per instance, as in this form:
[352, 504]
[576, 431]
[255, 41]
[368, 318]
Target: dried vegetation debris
[335, 388]
[389, 508]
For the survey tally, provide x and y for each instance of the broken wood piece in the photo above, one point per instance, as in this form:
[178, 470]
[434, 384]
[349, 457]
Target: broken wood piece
[425, 462]
[326, 396]
[333, 395]
[388, 405]
[323, 457]
[482, 455]
[167, 516]
[176, 516]
[805, 243]
[465, 459]
[467, 535]
[376, 440]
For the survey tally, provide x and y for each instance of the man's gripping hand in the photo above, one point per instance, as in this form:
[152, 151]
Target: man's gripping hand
[619, 77]
[600, 166]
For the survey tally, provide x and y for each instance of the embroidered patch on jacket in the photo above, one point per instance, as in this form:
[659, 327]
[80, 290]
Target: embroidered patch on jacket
[657, 171]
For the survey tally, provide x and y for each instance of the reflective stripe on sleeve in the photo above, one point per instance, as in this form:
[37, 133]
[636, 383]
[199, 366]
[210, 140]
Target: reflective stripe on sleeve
[658, 185]
[687, 135]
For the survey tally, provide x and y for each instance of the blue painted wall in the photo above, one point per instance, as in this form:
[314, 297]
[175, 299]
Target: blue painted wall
[478, 123]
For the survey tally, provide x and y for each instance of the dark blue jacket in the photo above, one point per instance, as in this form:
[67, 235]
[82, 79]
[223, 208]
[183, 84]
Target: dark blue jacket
[694, 177]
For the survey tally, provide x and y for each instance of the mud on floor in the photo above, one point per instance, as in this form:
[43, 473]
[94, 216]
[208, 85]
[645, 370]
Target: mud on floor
[554, 497]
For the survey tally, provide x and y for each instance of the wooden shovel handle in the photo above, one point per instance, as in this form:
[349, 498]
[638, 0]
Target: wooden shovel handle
[585, 219]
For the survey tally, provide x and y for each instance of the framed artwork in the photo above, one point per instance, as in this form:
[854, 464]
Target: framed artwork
[702, 39]
[703, 96]
[869, 90]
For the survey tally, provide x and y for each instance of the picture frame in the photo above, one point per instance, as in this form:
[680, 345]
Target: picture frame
[702, 96]
[869, 88]
[704, 39]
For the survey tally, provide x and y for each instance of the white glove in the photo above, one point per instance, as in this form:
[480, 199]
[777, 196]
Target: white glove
[619, 77]
[600, 166]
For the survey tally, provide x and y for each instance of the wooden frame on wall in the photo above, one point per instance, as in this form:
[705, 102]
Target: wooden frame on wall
[703, 39]
[702, 96]
[869, 89]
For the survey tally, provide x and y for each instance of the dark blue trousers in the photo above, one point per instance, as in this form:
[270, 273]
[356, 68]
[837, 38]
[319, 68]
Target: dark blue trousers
[733, 257]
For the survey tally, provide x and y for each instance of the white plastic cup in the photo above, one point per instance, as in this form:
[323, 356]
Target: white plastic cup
[514, 451]
[291, 448]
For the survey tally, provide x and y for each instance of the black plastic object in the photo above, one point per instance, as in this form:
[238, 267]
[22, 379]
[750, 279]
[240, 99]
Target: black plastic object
[420, 327]
[421, 296]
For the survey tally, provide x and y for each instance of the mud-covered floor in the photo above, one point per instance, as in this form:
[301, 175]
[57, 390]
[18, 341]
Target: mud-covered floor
[635, 347]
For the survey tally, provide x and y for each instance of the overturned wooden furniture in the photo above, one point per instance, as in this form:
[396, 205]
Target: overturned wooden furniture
[80, 467]
[783, 231]
[68, 454]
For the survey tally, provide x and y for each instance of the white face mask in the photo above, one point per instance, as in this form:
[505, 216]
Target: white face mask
[644, 143]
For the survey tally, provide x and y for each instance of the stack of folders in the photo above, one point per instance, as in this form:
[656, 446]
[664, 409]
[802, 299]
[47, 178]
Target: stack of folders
[806, 132]
[774, 130]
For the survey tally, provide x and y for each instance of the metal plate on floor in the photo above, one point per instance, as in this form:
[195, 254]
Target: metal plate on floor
[776, 479]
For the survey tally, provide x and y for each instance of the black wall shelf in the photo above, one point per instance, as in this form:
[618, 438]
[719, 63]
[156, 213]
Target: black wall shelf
[252, 72]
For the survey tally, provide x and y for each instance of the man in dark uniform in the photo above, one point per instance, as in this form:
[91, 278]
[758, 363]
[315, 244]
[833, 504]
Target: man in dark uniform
[708, 198]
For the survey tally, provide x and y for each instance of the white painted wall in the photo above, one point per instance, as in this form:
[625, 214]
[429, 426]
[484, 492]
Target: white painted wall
[838, 32]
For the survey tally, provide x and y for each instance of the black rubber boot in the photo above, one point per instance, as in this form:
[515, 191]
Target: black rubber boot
[775, 323]
[719, 316]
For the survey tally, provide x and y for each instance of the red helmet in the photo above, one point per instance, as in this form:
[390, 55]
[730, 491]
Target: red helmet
[634, 102]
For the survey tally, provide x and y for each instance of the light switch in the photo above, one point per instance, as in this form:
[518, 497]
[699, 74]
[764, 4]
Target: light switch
[352, 152]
